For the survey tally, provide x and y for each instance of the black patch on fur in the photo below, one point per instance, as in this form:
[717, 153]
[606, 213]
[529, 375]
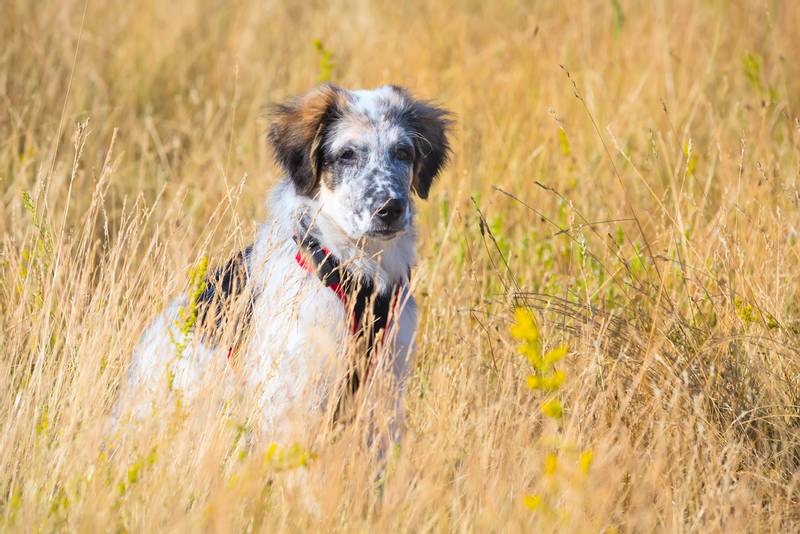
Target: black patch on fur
[429, 125]
[223, 286]
[298, 134]
[364, 294]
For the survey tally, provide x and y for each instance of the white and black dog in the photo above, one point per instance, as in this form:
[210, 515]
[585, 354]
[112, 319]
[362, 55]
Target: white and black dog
[323, 293]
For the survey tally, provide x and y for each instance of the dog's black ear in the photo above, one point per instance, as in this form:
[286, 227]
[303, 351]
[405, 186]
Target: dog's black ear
[297, 132]
[429, 125]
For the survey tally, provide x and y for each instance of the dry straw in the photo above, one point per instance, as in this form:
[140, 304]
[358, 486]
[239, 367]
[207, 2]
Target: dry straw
[640, 206]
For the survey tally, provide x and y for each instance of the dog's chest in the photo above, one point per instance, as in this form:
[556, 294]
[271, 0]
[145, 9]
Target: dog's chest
[292, 311]
[301, 338]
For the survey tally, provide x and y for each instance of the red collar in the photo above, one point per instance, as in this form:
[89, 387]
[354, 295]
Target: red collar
[319, 260]
[334, 286]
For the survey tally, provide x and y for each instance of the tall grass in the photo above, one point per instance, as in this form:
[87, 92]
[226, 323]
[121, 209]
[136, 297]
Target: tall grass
[625, 171]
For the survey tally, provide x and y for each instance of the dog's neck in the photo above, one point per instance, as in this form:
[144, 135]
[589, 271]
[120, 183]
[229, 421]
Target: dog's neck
[385, 262]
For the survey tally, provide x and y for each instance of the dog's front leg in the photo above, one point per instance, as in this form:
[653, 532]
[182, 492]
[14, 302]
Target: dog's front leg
[400, 357]
[403, 345]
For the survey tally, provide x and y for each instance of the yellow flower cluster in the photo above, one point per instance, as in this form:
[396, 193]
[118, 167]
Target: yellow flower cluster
[187, 315]
[547, 379]
[282, 458]
[544, 377]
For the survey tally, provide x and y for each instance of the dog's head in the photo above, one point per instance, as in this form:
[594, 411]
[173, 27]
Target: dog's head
[361, 154]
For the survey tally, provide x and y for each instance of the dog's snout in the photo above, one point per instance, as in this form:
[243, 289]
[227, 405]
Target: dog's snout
[391, 210]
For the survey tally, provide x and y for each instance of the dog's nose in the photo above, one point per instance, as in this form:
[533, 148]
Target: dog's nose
[391, 211]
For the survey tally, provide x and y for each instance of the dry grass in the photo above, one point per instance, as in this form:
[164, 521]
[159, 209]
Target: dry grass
[661, 247]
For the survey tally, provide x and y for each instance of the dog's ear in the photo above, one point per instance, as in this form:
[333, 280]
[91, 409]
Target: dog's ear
[297, 132]
[429, 125]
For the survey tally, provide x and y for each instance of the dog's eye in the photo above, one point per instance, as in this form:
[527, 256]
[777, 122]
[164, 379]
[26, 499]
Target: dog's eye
[348, 154]
[403, 153]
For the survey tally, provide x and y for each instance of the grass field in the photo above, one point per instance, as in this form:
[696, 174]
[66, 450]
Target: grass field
[627, 171]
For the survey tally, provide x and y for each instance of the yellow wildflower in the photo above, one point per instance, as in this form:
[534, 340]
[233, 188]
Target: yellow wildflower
[554, 355]
[550, 464]
[532, 502]
[524, 327]
[585, 461]
[547, 383]
[552, 408]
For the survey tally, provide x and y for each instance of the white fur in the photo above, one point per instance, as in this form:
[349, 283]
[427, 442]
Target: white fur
[293, 360]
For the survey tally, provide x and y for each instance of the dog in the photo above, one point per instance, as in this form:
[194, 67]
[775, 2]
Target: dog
[324, 308]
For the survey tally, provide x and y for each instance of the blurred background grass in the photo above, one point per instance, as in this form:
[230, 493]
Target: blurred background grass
[652, 148]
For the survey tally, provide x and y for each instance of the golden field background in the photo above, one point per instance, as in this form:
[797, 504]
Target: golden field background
[653, 232]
